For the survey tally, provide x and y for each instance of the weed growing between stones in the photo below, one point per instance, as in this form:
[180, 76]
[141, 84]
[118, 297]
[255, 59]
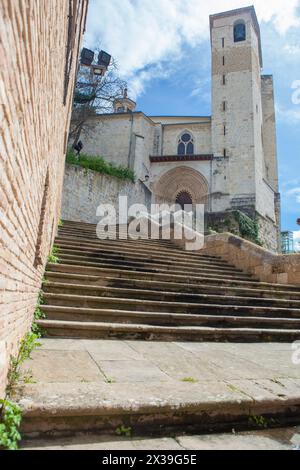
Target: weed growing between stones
[124, 431]
[53, 258]
[189, 379]
[10, 412]
[38, 315]
[259, 421]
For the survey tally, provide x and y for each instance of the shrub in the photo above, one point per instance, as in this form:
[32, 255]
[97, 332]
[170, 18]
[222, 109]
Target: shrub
[97, 163]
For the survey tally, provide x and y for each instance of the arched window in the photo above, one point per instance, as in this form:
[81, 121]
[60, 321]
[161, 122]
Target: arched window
[185, 144]
[239, 31]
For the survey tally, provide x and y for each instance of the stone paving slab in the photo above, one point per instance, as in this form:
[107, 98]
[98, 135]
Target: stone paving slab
[68, 360]
[50, 366]
[275, 439]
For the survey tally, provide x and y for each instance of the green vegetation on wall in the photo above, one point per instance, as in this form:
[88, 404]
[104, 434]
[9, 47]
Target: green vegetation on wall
[248, 227]
[97, 163]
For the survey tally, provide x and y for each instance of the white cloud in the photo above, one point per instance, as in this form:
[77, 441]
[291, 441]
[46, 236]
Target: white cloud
[288, 115]
[297, 240]
[143, 33]
[295, 193]
[292, 49]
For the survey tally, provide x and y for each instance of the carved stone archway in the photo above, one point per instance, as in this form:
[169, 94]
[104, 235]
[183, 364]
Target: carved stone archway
[181, 180]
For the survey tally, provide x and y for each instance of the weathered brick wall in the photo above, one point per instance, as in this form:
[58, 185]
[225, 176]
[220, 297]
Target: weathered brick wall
[37, 70]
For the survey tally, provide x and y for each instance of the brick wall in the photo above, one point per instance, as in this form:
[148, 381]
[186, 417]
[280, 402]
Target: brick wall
[39, 43]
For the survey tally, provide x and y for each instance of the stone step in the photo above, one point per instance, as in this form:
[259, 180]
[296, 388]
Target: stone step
[159, 295]
[76, 329]
[90, 301]
[285, 438]
[136, 259]
[148, 266]
[206, 285]
[131, 246]
[166, 319]
[153, 274]
[163, 410]
[92, 235]
[133, 254]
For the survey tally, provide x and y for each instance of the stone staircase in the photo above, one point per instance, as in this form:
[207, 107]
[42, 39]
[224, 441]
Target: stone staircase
[151, 290]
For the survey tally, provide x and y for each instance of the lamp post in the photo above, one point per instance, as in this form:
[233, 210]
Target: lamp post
[87, 59]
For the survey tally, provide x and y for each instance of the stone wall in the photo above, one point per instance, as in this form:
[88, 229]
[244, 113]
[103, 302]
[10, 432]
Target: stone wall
[227, 222]
[84, 190]
[39, 45]
[253, 259]
[268, 233]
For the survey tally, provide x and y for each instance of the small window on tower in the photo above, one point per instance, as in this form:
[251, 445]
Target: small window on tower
[239, 32]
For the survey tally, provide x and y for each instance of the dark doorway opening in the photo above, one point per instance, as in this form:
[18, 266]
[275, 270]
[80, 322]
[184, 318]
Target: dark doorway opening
[183, 199]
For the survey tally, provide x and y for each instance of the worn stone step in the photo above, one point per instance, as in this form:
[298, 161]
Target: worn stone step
[107, 252]
[152, 260]
[136, 247]
[90, 301]
[165, 318]
[154, 267]
[125, 292]
[154, 274]
[103, 408]
[88, 234]
[206, 286]
[284, 438]
[73, 329]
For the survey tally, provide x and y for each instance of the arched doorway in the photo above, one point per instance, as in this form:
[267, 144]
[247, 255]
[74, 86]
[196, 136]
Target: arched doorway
[182, 185]
[184, 199]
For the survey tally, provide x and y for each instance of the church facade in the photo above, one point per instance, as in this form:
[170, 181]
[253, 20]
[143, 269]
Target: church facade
[227, 161]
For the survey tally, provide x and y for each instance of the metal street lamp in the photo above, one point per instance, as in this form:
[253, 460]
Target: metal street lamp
[87, 58]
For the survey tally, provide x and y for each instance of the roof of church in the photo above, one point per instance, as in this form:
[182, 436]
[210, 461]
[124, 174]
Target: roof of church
[157, 119]
[168, 120]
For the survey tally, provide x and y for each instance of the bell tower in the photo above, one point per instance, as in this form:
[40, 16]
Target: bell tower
[124, 104]
[245, 176]
[236, 100]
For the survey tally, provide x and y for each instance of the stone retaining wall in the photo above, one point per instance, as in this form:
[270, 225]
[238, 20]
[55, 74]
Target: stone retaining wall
[264, 264]
[84, 190]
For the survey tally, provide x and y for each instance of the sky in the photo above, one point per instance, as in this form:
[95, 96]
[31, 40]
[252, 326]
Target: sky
[162, 49]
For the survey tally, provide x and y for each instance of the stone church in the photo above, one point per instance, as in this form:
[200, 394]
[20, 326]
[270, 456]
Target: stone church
[227, 160]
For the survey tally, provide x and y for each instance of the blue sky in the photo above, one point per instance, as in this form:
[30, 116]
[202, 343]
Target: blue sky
[162, 48]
